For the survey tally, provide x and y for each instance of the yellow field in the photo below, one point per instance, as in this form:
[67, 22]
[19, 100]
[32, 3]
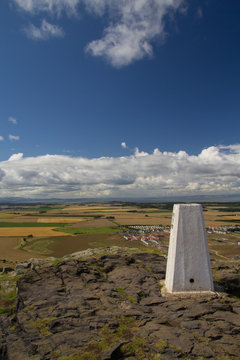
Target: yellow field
[73, 208]
[61, 220]
[34, 231]
[213, 217]
[7, 216]
[87, 207]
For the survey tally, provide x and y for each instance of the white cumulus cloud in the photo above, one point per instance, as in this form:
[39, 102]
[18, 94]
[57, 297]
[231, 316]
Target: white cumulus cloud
[54, 7]
[12, 120]
[215, 170]
[1, 138]
[133, 25]
[44, 32]
[13, 137]
[123, 145]
[16, 157]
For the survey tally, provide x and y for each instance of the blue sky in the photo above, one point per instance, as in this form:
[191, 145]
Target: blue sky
[85, 79]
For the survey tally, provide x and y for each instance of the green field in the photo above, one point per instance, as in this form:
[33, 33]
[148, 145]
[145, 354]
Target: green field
[8, 216]
[60, 246]
[98, 230]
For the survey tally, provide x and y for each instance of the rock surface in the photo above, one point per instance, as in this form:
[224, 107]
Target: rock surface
[111, 307]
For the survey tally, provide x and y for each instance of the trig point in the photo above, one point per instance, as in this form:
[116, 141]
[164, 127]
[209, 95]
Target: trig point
[188, 263]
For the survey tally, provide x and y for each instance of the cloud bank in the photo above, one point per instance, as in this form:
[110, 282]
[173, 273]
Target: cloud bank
[215, 171]
[133, 25]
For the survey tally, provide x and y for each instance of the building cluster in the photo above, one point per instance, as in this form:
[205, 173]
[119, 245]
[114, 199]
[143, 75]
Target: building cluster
[150, 235]
[149, 228]
[217, 230]
[223, 229]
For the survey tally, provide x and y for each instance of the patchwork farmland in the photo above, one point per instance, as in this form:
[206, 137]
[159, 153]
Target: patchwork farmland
[57, 230]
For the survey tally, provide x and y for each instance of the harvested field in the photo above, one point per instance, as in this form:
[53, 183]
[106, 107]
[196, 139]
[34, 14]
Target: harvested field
[48, 219]
[25, 231]
[105, 209]
[110, 211]
[8, 251]
[214, 217]
[94, 223]
[88, 207]
[23, 219]
[4, 224]
[76, 208]
[141, 219]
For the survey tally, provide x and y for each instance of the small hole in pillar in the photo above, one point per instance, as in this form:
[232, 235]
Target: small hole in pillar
[191, 280]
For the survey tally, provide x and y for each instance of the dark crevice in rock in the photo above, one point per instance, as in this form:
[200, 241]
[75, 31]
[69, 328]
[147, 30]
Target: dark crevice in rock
[3, 352]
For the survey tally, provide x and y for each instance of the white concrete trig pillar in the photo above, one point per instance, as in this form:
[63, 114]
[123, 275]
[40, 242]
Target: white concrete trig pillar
[188, 263]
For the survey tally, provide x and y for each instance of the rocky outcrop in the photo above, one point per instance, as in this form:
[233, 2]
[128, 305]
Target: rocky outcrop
[111, 307]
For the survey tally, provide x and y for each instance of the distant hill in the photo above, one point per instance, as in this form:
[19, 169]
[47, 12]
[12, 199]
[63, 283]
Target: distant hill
[189, 198]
